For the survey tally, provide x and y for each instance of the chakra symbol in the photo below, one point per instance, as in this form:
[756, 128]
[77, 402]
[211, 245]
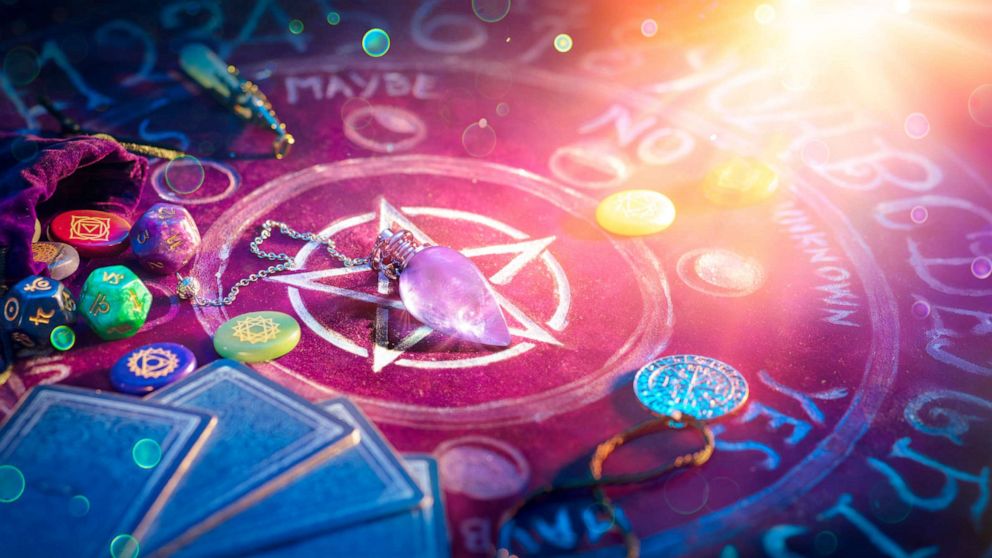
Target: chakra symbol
[255, 329]
[701, 387]
[153, 362]
[83, 227]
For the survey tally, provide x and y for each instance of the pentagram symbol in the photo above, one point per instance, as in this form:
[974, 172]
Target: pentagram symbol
[701, 387]
[153, 362]
[83, 227]
[255, 329]
[527, 331]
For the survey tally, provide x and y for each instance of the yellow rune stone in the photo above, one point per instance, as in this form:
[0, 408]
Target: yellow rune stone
[257, 336]
[635, 212]
[740, 181]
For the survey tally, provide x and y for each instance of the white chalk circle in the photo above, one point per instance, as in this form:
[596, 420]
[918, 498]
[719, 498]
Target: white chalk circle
[482, 468]
[406, 127]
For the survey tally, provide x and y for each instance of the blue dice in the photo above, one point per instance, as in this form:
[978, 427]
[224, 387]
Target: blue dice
[150, 367]
[35, 311]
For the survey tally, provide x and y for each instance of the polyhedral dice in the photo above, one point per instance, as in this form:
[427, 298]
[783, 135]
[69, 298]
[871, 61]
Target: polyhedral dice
[165, 238]
[114, 302]
[34, 309]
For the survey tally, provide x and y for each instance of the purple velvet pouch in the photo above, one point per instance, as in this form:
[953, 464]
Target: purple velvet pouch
[41, 177]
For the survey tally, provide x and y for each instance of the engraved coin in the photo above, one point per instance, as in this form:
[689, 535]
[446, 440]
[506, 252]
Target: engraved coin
[698, 386]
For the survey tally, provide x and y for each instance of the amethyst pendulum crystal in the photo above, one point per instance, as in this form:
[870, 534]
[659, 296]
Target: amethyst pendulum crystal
[441, 288]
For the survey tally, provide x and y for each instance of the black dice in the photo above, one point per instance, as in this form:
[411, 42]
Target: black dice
[34, 309]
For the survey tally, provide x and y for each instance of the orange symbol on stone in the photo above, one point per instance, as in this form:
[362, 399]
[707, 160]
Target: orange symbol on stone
[22, 339]
[41, 317]
[100, 305]
[142, 237]
[10, 309]
[174, 241]
[84, 227]
[135, 302]
[39, 284]
[112, 278]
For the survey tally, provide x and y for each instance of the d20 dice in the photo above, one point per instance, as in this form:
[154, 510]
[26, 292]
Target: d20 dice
[165, 238]
[35, 308]
[114, 302]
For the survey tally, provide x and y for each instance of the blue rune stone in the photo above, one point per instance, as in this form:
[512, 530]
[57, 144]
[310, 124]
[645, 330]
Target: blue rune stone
[150, 367]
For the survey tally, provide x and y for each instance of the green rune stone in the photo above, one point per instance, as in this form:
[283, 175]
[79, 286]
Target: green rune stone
[63, 338]
[257, 336]
[114, 302]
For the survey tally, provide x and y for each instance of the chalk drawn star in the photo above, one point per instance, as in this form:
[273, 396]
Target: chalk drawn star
[522, 326]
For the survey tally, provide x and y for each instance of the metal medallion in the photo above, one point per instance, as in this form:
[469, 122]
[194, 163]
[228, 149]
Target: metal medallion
[697, 386]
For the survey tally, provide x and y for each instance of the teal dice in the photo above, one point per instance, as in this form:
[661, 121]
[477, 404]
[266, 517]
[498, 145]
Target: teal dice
[114, 302]
[37, 310]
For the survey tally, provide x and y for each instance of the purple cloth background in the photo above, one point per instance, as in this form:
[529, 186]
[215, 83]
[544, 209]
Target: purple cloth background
[45, 176]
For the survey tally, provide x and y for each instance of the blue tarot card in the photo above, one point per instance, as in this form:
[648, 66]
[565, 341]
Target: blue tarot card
[81, 471]
[364, 482]
[265, 437]
[417, 533]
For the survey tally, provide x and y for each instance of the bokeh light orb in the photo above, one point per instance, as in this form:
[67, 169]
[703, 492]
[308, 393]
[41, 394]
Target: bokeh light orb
[563, 42]
[916, 125]
[980, 105]
[11, 484]
[920, 309]
[23, 149]
[825, 543]
[79, 505]
[649, 27]
[502, 109]
[479, 138]
[333, 18]
[356, 113]
[124, 546]
[21, 65]
[184, 175]
[146, 453]
[902, 6]
[375, 43]
[491, 11]
[295, 26]
[981, 267]
[919, 214]
[765, 14]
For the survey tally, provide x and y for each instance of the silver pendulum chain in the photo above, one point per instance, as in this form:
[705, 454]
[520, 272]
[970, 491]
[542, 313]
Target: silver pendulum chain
[189, 288]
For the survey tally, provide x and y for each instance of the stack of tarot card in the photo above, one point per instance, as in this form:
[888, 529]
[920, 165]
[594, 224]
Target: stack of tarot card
[222, 463]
